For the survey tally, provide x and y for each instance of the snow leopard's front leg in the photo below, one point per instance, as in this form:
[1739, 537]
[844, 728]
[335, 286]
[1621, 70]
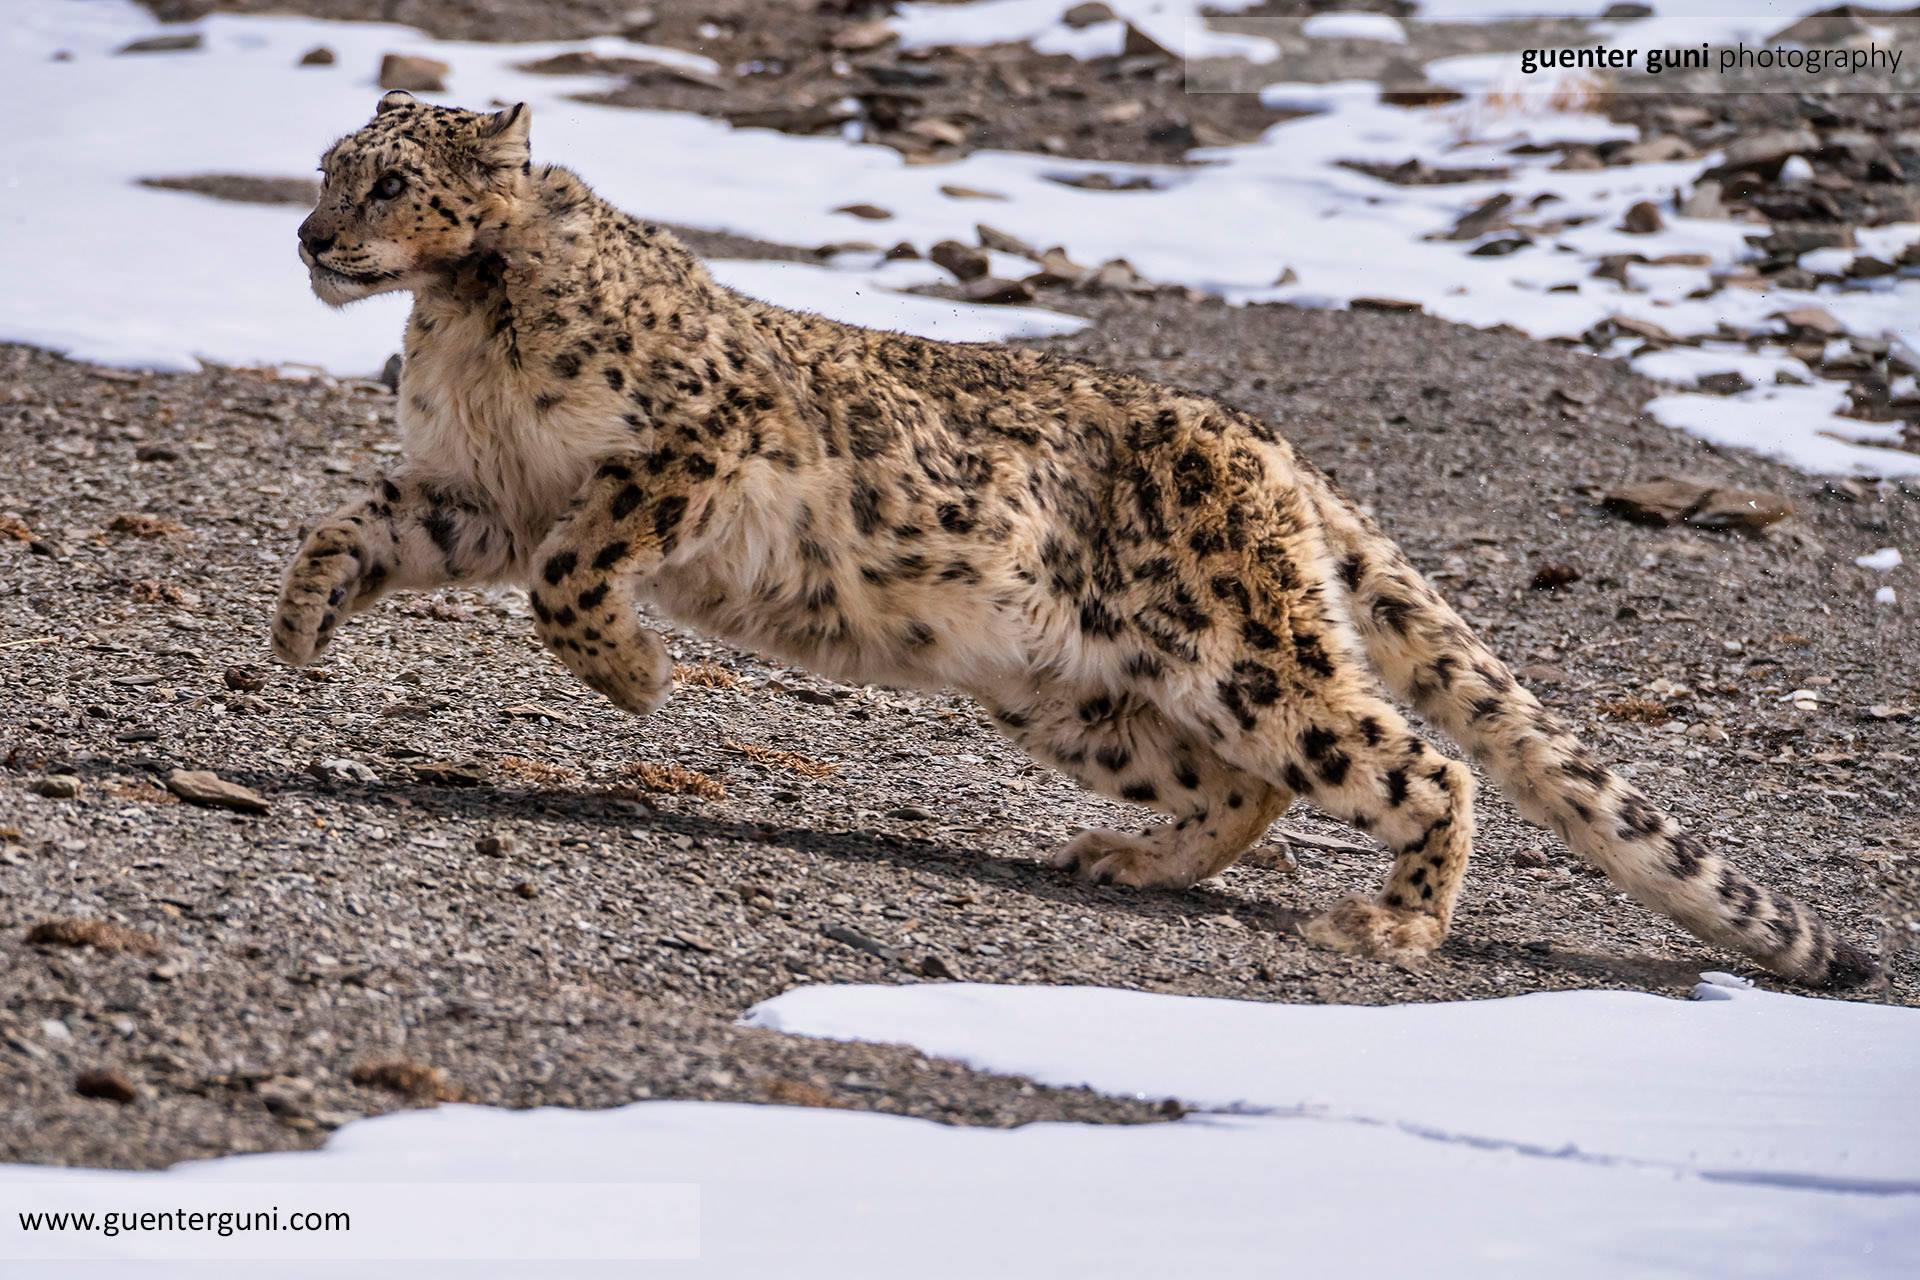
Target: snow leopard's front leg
[626, 522]
[408, 533]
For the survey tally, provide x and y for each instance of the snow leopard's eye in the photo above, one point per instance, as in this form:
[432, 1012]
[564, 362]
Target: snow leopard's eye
[389, 186]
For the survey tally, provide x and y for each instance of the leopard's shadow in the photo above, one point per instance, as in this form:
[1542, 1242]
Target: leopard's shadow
[614, 816]
[1033, 878]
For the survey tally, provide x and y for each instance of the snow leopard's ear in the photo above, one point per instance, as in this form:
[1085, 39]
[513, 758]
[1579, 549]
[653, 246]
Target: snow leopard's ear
[502, 139]
[393, 101]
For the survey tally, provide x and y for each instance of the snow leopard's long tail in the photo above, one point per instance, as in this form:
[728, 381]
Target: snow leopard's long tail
[1427, 655]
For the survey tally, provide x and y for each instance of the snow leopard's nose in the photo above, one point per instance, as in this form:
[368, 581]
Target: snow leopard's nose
[314, 239]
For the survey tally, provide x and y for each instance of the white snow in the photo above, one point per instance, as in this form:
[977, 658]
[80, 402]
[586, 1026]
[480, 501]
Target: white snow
[1743, 1084]
[1685, 366]
[1800, 426]
[1585, 1134]
[868, 297]
[1883, 560]
[112, 272]
[1885, 595]
[1354, 26]
[1493, 10]
[1824, 261]
[1174, 24]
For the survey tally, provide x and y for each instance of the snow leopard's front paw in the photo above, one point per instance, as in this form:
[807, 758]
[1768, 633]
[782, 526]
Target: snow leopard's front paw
[598, 636]
[323, 585]
[630, 690]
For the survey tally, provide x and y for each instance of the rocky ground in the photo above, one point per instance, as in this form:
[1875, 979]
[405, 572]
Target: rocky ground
[452, 872]
[469, 864]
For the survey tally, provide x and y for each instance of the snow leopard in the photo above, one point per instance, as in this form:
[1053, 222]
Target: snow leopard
[1144, 587]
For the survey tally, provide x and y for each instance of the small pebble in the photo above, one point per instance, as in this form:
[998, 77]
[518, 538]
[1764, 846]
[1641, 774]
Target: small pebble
[106, 1085]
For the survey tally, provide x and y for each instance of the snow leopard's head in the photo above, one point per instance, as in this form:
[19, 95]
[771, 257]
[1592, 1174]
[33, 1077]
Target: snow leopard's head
[410, 195]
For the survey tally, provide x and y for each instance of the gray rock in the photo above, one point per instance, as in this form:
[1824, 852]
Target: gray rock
[1643, 219]
[1766, 151]
[1086, 15]
[341, 769]
[412, 73]
[964, 261]
[197, 786]
[185, 42]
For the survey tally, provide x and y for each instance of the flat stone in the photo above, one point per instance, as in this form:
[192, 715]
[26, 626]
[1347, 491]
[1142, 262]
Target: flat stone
[1667, 500]
[196, 786]
[183, 43]
[1811, 320]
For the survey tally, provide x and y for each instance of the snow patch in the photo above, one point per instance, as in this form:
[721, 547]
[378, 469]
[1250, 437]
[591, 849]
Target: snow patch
[870, 298]
[1173, 24]
[1739, 1083]
[1581, 1134]
[1800, 426]
[1354, 26]
[1883, 560]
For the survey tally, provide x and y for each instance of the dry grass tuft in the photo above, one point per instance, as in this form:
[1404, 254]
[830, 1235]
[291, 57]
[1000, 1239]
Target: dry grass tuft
[138, 789]
[704, 675]
[416, 1080]
[101, 935]
[674, 780]
[799, 1093]
[787, 760]
[158, 591]
[1576, 92]
[1638, 709]
[537, 772]
[139, 524]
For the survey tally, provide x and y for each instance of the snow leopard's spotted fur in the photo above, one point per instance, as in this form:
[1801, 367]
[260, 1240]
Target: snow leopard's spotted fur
[1146, 588]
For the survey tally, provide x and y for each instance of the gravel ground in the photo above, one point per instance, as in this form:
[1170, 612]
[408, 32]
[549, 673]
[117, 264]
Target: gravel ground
[491, 889]
[475, 879]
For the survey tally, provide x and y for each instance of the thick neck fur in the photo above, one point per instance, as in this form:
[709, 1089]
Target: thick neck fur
[558, 266]
[574, 333]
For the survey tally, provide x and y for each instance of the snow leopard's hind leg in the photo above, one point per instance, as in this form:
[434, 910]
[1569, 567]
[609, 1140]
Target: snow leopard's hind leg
[1118, 744]
[1355, 757]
